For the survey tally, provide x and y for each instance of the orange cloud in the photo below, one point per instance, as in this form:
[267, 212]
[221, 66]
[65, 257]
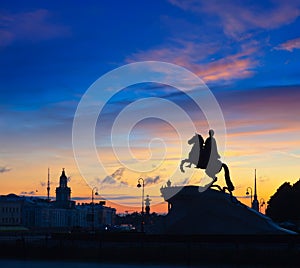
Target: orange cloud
[191, 55]
[229, 68]
[289, 45]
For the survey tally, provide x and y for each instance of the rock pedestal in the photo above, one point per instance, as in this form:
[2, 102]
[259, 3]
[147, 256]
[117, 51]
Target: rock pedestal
[212, 212]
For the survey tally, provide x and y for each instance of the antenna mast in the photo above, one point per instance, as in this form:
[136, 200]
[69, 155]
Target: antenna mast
[48, 186]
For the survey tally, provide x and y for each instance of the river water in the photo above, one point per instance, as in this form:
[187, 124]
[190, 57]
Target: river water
[67, 264]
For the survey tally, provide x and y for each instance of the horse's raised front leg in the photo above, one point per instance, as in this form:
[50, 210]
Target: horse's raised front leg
[182, 163]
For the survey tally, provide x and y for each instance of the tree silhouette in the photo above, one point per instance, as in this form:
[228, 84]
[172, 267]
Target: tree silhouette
[296, 201]
[284, 205]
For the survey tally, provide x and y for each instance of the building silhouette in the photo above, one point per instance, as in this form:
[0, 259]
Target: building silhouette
[63, 193]
[11, 210]
[62, 214]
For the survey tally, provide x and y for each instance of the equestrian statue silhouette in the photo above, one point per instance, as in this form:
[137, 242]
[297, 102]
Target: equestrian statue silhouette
[204, 155]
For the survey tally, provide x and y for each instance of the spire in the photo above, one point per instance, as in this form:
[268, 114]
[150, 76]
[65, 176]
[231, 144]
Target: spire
[255, 190]
[48, 185]
[63, 181]
[255, 203]
[63, 192]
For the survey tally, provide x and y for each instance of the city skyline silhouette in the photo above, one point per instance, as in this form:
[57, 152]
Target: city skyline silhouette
[52, 53]
[149, 133]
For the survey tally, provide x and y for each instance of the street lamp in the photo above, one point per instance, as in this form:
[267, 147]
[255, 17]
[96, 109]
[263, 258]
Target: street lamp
[261, 203]
[140, 184]
[247, 193]
[94, 192]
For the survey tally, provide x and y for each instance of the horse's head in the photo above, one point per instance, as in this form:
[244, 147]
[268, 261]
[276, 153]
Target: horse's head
[197, 138]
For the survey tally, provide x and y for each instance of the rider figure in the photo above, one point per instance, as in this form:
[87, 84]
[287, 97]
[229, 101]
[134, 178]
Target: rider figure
[210, 148]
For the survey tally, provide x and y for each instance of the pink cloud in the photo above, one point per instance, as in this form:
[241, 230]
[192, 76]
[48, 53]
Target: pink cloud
[289, 45]
[29, 26]
[237, 18]
[192, 55]
[269, 115]
[179, 51]
[228, 68]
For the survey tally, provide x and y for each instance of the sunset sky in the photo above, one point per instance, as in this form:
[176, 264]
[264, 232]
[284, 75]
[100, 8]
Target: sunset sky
[246, 52]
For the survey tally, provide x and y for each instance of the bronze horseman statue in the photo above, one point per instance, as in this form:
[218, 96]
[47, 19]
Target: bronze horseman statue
[204, 155]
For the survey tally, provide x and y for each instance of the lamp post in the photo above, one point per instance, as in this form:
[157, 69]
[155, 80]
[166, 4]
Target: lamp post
[261, 203]
[94, 192]
[140, 184]
[247, 193]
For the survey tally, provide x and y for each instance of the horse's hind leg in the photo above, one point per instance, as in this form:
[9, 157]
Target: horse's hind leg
[229, 183]
[216, 186]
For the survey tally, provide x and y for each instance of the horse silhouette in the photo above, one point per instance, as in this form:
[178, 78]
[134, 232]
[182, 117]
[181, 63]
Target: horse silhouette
[201, 157]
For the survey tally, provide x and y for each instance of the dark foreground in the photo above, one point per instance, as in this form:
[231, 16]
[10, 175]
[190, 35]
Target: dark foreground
[138, 248]
[72, 264]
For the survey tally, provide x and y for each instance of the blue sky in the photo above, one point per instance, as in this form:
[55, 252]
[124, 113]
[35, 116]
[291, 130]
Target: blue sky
[247, 52]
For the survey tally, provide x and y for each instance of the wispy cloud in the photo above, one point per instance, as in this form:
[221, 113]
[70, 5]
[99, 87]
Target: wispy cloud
[108, 180]
[152, 180]
[262, 121]
[232, 67]
[289, 45]
[263, 178]
[293, 155]
[278, 104]
[31, 26]
[110, 197]
[4, 169]
[44, 184]
[28, 193]
[118, 173]
[237, 18]
[194, 56]
[178, 51]
[212, 60]
[115, 178]
[266, 112]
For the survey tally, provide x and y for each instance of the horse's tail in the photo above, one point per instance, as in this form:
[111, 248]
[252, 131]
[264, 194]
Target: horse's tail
[227, 178]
